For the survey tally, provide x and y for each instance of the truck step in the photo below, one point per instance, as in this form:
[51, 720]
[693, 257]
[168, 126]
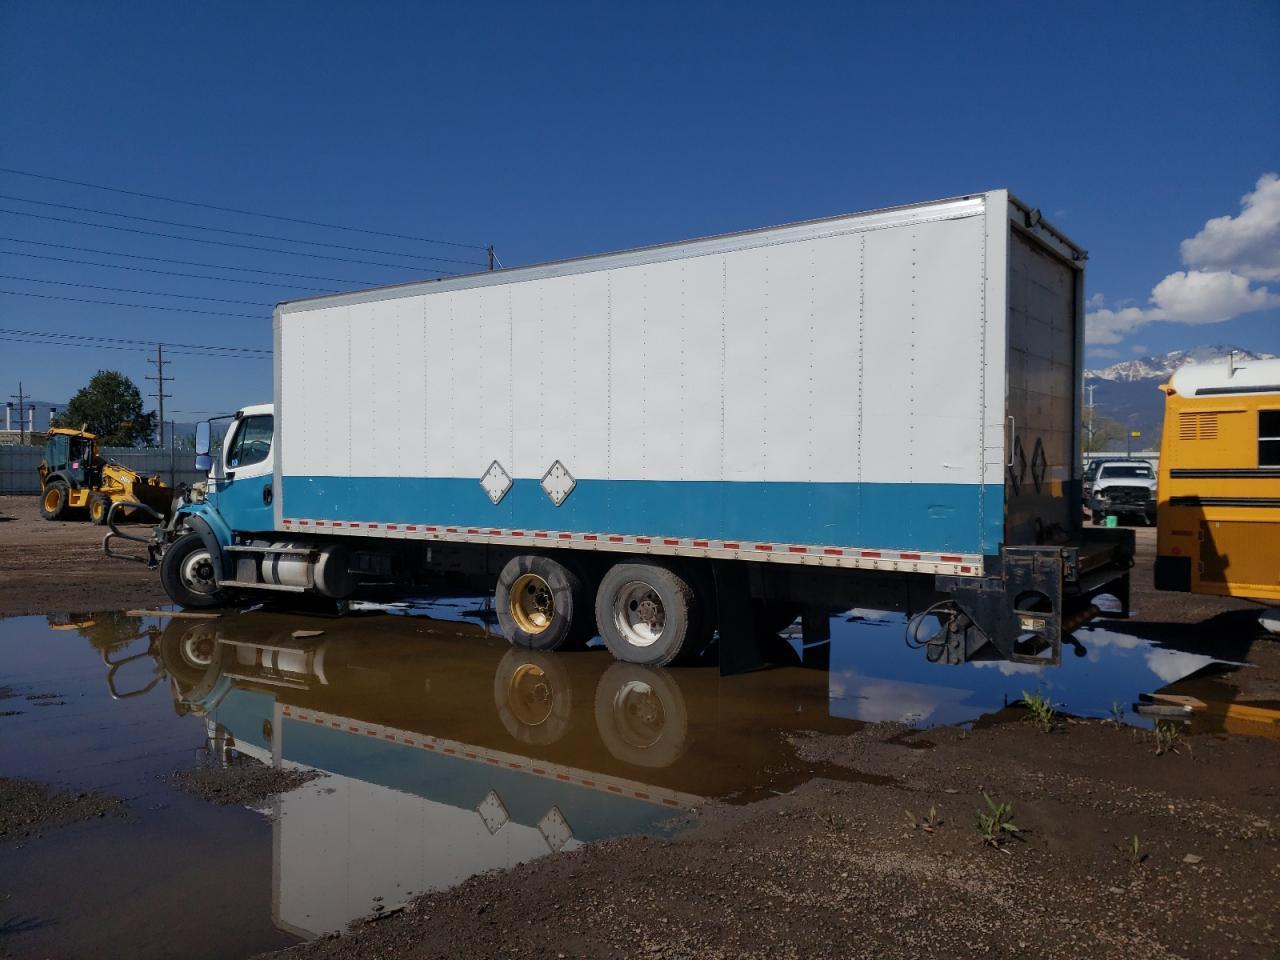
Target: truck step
[292, 551]
[253, 585]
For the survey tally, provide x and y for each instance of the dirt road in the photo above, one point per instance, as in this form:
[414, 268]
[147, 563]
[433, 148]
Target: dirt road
[51, 567]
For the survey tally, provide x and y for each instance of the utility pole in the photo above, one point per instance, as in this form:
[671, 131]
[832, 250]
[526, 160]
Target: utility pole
[1089, 428]
[160, 380]
[492, 257]
[22, 399]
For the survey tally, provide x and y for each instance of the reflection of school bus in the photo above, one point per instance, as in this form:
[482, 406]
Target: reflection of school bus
[1219, 514]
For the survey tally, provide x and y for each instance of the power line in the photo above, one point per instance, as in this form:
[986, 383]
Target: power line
[240, 233]
[222, 243]
[247, 213]
[144, 343]
[145, 293]
[141, 306]
[103, 346]
[189, 263]
[162, 273]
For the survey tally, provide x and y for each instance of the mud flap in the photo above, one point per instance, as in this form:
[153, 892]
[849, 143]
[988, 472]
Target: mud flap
[1017, 614]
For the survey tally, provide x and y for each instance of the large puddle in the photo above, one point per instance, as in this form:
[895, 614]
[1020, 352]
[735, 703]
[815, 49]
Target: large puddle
[445, 753]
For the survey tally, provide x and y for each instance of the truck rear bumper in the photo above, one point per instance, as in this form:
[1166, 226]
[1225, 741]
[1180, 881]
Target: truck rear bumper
[1031, 598]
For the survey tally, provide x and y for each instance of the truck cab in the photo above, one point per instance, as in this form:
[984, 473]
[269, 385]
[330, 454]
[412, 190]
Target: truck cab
[241, 468]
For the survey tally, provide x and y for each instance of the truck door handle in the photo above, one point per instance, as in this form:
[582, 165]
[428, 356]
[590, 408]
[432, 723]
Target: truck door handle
[266, 495]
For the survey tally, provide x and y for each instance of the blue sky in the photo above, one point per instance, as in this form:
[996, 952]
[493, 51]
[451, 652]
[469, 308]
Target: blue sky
[557, 130]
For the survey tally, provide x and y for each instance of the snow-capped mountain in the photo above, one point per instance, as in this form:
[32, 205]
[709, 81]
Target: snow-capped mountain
[1162, 365]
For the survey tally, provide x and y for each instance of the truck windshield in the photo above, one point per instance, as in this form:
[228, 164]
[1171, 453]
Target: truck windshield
[1136, 471]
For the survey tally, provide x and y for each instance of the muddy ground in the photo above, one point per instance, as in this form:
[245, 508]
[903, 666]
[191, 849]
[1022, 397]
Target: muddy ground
[249, 784]
[53, 566]
[27, 808]
[1125, 846]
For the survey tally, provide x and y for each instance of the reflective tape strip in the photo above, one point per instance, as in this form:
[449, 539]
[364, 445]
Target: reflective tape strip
[908, 561]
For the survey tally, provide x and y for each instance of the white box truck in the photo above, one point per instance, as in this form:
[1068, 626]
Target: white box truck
[688, 440]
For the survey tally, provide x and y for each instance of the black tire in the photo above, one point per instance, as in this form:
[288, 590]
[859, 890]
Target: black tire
[641, 715]
[542, 604]
[53, 500]
[99, 508]
[534, 696]
[632, 592]
[181, 571]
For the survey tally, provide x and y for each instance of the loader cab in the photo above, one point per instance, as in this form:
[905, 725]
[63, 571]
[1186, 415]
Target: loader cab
[242, 469]
[70, 455]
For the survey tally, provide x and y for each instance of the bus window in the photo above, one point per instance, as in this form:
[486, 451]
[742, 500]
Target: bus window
[1269, 438]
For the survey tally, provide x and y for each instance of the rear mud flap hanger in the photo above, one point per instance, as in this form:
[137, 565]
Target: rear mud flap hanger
[1019, 612]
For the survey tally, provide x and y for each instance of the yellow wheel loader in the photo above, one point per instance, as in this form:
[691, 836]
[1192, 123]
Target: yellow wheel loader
[75, 480]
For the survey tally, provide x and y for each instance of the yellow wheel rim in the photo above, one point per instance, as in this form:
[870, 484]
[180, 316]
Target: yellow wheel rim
[530, 696]
[97, 509]
[51, 501]
[533, 605]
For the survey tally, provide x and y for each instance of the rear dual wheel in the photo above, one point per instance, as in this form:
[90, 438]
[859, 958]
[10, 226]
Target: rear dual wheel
[649, 614]
[646, 612]
[542, 604]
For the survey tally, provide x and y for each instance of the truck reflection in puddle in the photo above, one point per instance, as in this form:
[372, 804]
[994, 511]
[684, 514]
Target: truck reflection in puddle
[448, 752]
[445, 759]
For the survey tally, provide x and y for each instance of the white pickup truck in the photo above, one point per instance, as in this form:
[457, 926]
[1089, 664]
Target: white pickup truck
[1123, 488]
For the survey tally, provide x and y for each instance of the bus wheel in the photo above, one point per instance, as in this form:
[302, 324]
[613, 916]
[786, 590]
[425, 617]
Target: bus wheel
[542, 604]
[647, 613]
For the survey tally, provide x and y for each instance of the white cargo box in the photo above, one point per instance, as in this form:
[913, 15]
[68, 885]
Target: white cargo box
[895, 389]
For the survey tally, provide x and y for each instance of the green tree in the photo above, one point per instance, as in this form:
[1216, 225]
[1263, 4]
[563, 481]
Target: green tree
[111, 406]
[1100, 433]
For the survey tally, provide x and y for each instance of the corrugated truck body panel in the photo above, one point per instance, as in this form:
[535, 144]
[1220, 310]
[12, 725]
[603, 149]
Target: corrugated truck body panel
[831, 392]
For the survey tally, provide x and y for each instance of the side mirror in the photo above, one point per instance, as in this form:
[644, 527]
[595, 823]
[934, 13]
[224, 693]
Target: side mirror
[204, 462]
[202, 442]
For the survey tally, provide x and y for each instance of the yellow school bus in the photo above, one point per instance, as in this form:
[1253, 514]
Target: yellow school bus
[1219, 484]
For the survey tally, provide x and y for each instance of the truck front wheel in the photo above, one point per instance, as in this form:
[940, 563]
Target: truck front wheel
[542, 604]
[187, 574]
[648, 614]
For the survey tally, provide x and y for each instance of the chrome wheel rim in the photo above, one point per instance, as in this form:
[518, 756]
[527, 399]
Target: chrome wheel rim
[197, 572]
[638, 614]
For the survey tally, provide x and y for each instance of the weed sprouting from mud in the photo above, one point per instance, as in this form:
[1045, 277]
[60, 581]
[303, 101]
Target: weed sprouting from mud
[1040, 710]
[1117, 713]
[1168, 738]
[995, 825]
[928, 823]
[1133, 851]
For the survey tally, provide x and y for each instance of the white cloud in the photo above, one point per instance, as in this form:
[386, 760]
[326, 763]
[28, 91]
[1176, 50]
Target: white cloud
[1229, 253]
[1140, 348]
[1105, 352]
[1248, 245]
[1097, 301]
[1112, 326]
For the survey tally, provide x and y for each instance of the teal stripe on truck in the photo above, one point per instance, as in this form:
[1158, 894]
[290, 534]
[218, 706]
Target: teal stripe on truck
[932, 517]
